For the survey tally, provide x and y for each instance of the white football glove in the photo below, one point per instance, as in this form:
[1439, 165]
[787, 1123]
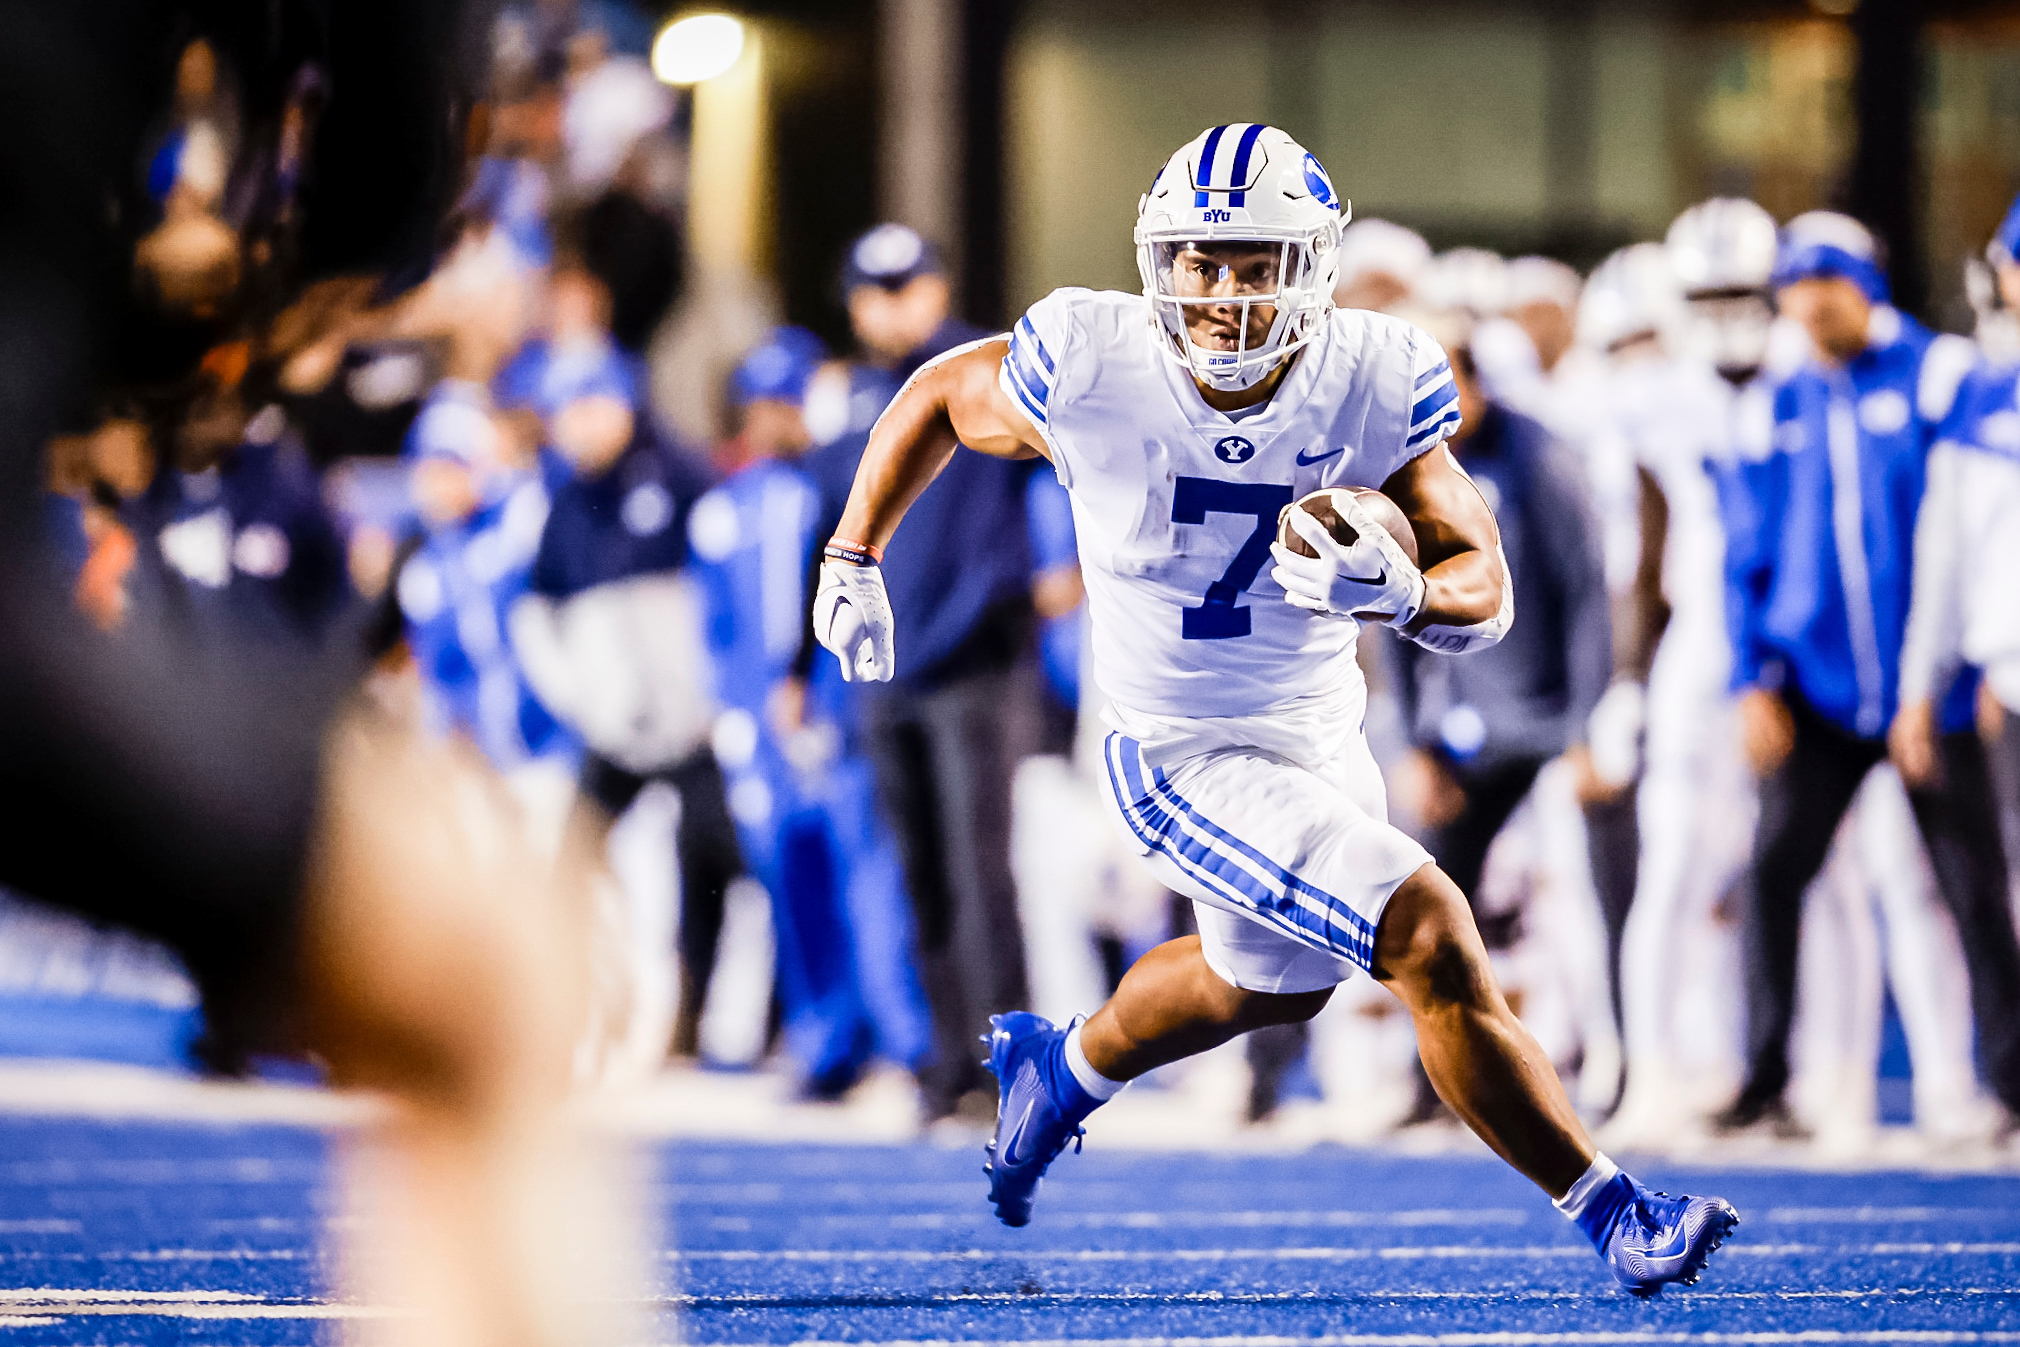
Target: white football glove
[1613, 732]
[1372, 578]
[852, 617]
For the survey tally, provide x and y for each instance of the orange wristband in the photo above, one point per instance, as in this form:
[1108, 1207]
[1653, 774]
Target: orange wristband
[855, 553]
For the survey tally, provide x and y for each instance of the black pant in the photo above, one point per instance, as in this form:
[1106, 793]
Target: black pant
[2005, 767]
[710, 859]
[1613, 845]
[1460, 847]
[1801, 805]
[943, 761]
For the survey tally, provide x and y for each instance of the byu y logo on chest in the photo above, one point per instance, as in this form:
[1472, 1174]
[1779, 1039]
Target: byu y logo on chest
[1233, 449]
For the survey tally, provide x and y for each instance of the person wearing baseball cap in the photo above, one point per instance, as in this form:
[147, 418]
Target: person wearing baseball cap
[1820, 570]
[944, 735]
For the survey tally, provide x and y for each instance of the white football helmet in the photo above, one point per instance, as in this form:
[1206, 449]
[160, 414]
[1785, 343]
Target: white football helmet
[1472, 280]
[1723, 252]
[1242, 183]
[1632, 296]
[1724, 244]
[1540, 280]
[1373, 247]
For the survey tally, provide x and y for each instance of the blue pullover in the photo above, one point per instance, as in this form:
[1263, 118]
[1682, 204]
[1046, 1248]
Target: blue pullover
[1820, 534]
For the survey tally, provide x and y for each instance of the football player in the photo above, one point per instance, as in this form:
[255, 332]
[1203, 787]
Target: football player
[1184, 421]
[1963, 611]
[1677, 404]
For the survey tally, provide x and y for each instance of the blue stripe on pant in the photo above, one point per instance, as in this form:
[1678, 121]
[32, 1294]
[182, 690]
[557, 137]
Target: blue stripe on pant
[1225, 866]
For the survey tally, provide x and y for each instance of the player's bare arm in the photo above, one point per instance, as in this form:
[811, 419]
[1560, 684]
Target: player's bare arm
[1458, 543]
[952, 401]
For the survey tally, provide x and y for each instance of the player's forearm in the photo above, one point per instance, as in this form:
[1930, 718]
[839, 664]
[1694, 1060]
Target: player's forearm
[911, 443]
[1931, 652]
[1463, 591]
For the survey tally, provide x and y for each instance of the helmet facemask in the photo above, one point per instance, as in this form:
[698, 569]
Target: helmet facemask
[1728, 329]
[1186, 271]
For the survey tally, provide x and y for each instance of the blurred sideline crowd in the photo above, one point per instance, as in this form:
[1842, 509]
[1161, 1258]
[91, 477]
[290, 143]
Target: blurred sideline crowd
[1736, 795]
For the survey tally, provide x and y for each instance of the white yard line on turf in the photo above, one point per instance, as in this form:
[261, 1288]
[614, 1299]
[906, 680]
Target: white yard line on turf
[1308, 1254]
[1162, 1220]
[20, 1308]
[1933, 1337]
[158, 1256]
[1882, 1215]
[753, 1300]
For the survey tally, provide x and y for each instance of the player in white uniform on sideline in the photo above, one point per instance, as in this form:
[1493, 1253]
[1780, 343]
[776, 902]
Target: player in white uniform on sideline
[1183, 421]
[1674, 412]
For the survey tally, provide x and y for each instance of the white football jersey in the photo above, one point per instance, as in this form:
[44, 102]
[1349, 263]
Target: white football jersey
[1176, 504]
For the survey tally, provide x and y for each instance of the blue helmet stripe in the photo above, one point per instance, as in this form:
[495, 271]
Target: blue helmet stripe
[1241, 153]
[1206, 156]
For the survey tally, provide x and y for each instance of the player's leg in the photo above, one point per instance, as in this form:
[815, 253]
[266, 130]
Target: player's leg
[1272, 942]
[1496, 1077]
[1481, 1060]
[1171, 1005]
[1959, 822]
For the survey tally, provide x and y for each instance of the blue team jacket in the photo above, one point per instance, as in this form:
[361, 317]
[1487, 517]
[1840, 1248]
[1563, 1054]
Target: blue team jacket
[1821, 532]
[249, 544]
[750, 538]
[455, 593]
[628, 521]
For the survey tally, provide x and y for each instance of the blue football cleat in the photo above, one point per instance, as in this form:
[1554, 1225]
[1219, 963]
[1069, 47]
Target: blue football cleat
[1655, 1239]
[1033, 1122]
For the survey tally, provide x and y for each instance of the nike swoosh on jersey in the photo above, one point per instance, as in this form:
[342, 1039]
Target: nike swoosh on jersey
[1304, 462]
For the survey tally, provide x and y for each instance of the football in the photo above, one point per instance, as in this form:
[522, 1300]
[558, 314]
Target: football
[1324, 506]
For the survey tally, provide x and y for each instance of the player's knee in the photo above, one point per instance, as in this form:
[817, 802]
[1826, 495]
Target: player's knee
[1427, 948]
[1260, 1010]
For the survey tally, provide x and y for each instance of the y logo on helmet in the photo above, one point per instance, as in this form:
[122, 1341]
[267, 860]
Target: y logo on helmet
[1320, 186]
[1216, 216]
[1233, 449]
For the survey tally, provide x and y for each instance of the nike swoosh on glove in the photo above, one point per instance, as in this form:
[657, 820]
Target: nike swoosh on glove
[1372, 577]
[852, 617]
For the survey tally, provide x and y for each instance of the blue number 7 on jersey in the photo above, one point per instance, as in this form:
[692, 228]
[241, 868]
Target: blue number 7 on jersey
[1192, 500]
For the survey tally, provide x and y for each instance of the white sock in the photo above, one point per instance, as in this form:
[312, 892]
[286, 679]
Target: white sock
[1573, 1203]
[1092, 1081]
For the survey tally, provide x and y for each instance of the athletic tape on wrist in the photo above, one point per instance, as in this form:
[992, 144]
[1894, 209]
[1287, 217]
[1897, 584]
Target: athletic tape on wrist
[855, 553]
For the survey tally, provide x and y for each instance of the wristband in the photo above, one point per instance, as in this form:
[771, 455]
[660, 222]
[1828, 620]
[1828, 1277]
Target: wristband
[855, 553]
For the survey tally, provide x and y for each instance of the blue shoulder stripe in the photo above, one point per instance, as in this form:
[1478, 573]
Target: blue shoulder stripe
[1032, 406]
[1026, 374]
[1031, 333]
[1436, 430]
[1025, 392]
[1431, 375]
[1434, 402]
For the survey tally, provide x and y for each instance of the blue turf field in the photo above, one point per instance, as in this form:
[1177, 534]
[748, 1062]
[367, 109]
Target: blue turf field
[777, 1244]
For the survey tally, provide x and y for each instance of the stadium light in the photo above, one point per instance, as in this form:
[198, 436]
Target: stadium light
[696, 48]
